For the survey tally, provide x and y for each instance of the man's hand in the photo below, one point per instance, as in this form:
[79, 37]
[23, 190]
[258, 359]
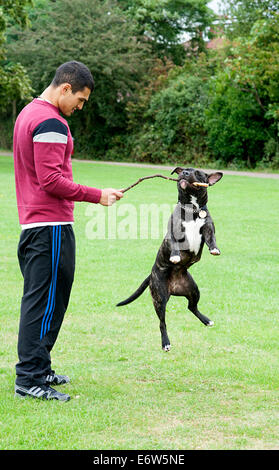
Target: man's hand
[109, 196]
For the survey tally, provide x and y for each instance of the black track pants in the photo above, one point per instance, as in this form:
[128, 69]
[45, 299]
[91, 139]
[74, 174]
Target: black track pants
[47, 262]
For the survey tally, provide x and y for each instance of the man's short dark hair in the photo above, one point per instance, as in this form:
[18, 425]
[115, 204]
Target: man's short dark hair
[75, 73]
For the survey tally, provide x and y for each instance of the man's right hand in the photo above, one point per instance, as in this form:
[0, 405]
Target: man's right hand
[109, 196]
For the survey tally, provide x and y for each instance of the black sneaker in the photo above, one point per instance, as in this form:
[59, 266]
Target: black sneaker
[55, 379]
[40, 391]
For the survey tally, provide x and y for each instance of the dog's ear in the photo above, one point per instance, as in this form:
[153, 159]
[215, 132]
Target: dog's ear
[177, 170]
[214, 178]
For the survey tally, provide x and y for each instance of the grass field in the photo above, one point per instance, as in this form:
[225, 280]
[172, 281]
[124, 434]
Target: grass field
[216, 389]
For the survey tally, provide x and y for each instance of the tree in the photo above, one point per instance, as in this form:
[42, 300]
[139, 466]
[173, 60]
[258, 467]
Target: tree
[11, 10]
[242, 14]
[165, 22]
[98, 34]
[15, 84]
[234, 123]
[243, 116]
[167, 120]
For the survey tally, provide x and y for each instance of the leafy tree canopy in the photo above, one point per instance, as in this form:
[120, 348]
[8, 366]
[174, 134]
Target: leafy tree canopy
[243, 118]
[166, 22]
[14, 10]
[99, 35]
[242, 14]
[14, 82]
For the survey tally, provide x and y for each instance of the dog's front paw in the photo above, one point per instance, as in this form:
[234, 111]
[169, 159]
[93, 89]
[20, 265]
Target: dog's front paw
[166, 347]
[215, 252]
[175, 259]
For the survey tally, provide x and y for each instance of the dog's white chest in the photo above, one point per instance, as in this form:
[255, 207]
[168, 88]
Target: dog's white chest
[192, 231]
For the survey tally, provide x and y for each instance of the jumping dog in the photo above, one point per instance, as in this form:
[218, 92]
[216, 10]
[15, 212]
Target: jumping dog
[189, 227]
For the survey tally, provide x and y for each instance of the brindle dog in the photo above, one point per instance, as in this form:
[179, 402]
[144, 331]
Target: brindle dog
[190, 226]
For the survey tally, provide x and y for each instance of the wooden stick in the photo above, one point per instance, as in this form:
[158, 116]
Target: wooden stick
[147, 178]
[204, 185]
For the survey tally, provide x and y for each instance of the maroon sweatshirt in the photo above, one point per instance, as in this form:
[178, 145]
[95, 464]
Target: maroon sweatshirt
[43, 146]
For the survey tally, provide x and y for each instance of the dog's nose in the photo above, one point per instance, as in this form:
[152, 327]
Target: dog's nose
[185, 173]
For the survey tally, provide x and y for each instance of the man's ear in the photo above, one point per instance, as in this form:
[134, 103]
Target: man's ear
[65, 87]
[214, 178]
[177, 170]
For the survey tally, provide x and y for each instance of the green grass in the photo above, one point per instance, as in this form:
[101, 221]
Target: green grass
[216, 389]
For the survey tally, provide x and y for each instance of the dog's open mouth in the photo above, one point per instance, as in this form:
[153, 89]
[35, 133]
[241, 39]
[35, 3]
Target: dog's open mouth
[183, 183]
[197, 184]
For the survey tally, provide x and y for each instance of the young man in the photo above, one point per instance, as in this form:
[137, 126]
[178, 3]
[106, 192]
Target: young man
[45, 193]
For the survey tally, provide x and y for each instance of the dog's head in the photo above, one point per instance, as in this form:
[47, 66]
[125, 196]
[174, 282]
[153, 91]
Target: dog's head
[194, 182]
[191, 179]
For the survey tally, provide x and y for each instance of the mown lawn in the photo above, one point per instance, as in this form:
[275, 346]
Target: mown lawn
[216, 389]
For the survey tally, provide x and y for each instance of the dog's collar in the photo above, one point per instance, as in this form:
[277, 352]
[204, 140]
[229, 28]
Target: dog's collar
[201, 211]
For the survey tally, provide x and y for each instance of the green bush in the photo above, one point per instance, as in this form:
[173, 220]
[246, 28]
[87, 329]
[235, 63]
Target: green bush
[243, 115]
[171, 126]
[236, 129]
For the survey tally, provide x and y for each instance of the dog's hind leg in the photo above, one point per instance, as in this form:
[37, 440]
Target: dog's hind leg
[192, 293]
[160, 297]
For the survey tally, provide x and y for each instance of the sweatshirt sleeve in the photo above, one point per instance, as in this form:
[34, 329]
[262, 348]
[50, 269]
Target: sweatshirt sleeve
[50, 139]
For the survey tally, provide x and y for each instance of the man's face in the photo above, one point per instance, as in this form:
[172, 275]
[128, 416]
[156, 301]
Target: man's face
[69, 101]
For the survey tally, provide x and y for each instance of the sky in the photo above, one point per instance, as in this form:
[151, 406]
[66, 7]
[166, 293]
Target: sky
[214, 5]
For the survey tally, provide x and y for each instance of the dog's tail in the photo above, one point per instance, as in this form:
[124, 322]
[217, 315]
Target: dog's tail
[136, 294]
